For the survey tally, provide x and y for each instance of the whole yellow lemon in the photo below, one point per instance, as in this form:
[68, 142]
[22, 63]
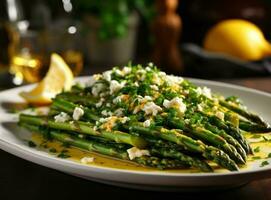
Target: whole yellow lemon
[238, 38]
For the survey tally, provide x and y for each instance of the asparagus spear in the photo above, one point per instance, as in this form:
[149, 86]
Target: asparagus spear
[253, 128]
[208, 136]
[192, 161]
[84, 127]
[231, 130]
[151, 161]
[228, 138]
[189, 144]
[250, 116]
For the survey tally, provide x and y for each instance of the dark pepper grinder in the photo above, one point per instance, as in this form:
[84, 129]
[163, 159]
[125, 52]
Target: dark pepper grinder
[166, 29]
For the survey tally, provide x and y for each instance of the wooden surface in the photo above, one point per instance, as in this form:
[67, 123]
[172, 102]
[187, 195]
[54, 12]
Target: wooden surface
[20, 179]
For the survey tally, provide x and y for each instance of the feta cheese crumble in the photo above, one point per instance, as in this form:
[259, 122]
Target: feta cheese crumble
[107, 75]
[199, 107]
[62, 117]
[173, 79]
[125, 119]
[151, 108]
[115, 86]
[93, 79]
[147, 123]
[97, 88]
[106, 113]
[77, 113]
[119, 112]
[126, 70]
[175, 103]
[220, 115]
[134, 152]
[204, 91]
[154, 87]
[86, 160]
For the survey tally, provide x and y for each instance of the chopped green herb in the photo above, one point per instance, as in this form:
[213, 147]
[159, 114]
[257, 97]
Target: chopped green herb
[257, 149]
[63, 155]
[269, 155]
[52, 150]
[64, 151]
[31, 144]
[256, 157]
[264, 163]
[64, 144]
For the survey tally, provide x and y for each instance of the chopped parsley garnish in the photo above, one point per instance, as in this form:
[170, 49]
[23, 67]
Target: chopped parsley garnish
[52, 150]
[264, 163]
[257, 149]
[31, 144]
[256, 157]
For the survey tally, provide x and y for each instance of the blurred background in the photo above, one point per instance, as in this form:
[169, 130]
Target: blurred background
[196, 38]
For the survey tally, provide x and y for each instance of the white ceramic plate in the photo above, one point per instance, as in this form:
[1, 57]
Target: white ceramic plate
[12, 140]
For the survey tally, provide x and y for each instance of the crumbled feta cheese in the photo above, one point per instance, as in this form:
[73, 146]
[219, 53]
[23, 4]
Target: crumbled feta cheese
[134, 152]
[136, 84]
[93, 79]
[150, 64]
[117, 100]
[199, 107]
[142, 74]
[97, 88]
[86, 160]
[99, 104]
[125, 119]
[77, 113]
[107, 75]
[106, 113]
[147, 123]
[151, 108]
[207, 92]
[154, 87]
[173, 79]
[146, 98]
[119, 112]
[148, 69]
[162, 74]
[175, 103]
[62, 117]
[81, 136]
[95, 127]
[102, 120]
[115, 86]
[204, 91]
[220, 115]
[126, 70]
[118, 72]
[156, 79]
[108, 104]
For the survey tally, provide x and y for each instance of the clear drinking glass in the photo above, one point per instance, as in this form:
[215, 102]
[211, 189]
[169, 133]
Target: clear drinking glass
[28, 61]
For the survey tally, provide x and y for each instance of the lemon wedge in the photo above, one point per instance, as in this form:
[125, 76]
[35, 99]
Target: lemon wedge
[238, 38]
[58, 78]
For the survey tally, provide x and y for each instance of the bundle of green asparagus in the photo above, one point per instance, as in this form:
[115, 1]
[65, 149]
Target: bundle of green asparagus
[145, 116]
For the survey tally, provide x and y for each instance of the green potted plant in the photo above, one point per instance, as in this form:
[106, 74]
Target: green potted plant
[112, 28]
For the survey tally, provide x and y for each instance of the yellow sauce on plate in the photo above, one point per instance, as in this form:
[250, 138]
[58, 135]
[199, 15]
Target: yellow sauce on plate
[260, 143]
